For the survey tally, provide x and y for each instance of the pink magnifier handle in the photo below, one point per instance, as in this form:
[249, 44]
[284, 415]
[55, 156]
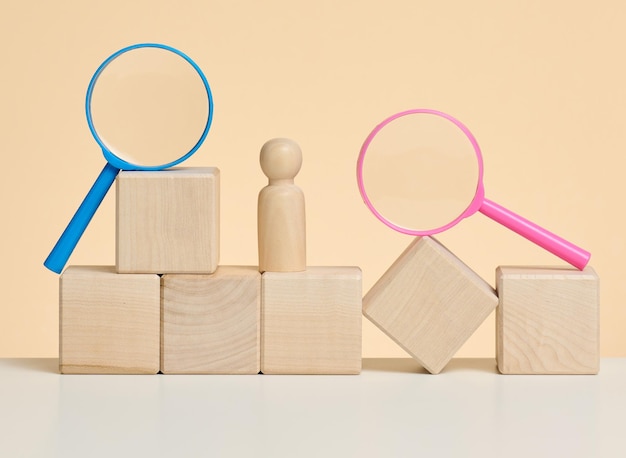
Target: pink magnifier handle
[565, 250]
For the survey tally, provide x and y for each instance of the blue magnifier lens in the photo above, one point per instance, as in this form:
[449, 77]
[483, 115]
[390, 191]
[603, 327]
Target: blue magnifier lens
[148, 106]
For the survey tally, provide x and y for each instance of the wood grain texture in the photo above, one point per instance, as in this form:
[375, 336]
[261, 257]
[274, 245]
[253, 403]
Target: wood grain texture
[211, 324]
[547, 321]
[168, 221]
[429, 302]
[108, 322]
[281, 212]
[311, 321]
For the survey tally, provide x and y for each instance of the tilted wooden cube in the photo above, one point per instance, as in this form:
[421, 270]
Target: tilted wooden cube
[109, 323]
[311, 321]
[429, 302]
[168, 221]
[211, 324]
[547, 320]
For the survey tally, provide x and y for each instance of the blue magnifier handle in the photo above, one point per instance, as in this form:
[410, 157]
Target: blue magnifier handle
[73, 232]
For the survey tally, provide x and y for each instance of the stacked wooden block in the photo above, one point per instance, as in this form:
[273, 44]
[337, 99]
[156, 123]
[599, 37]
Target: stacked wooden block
[430, 303]
[167, 231]
[167, 306]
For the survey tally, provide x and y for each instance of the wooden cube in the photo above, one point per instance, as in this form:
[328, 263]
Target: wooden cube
[168, 221]
[109, 322]
[311, 321]
[429, 303]
[211, 324]
[547, 320]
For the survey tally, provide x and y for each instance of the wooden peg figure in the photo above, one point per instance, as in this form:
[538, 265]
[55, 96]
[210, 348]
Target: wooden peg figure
[281, 217]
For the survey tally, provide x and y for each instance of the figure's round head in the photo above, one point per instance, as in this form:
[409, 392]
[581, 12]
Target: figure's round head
[281, 159]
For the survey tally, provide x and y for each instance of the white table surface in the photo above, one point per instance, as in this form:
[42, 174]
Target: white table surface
[392, 409]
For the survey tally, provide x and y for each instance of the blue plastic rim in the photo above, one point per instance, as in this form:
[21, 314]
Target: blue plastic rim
[110, 156]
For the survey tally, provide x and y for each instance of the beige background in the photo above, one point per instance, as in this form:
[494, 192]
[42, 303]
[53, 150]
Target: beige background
[541, 85]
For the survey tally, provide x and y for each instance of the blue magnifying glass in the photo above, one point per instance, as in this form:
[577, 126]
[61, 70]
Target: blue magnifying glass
[149, 106]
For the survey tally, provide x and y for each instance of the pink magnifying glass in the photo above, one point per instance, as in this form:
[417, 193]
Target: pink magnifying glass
[420, 172]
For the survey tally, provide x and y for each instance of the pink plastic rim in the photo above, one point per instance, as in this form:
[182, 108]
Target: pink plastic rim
[473, 206]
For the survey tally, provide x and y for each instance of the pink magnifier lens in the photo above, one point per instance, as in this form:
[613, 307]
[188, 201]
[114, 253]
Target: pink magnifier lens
[420, 171]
